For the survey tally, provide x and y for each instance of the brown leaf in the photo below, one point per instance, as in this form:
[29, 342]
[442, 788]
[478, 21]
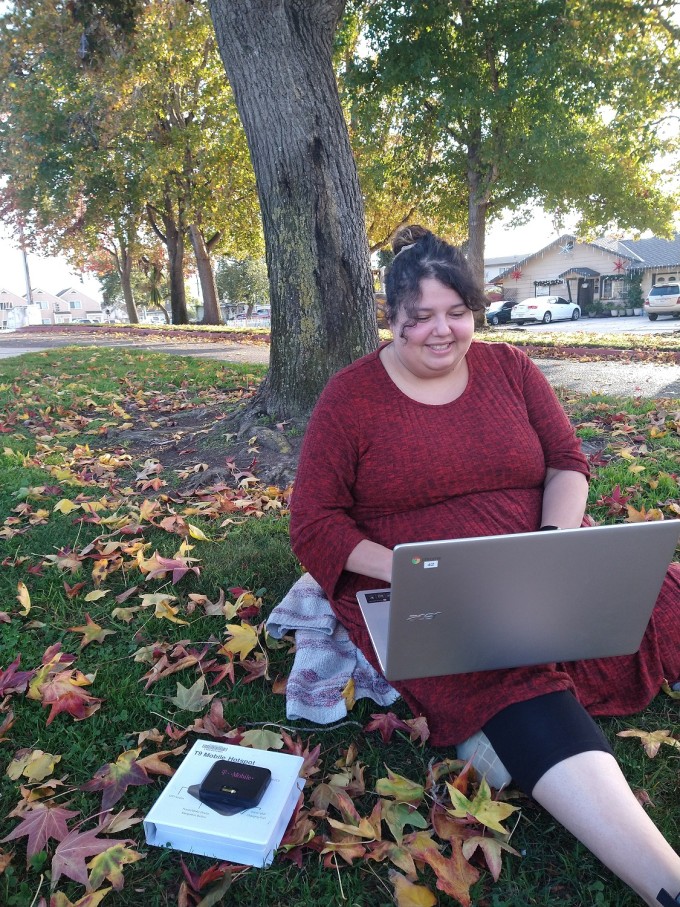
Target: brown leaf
[91, 632]
[156, 766]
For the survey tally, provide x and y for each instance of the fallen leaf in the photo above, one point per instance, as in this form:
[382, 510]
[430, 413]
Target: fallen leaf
[23, 598]
[34, 765]
[114, 778]
[109, 865]
[387, 724]
[485, 810]
[241, 641]
[408, 894]
[400, 788]
[71, 853]
[91, 899]
[262, 740]
[91, 632]
[39, 824]
[492, 849]
[652, 740]
[192, 699]
[63, 693]
[348, 694]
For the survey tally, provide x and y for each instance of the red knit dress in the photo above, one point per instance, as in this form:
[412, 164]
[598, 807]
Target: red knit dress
[378, 465]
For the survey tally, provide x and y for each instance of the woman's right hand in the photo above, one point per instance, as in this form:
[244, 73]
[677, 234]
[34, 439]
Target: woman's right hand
[371, 559]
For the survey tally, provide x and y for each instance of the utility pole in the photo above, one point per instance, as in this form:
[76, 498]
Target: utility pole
[27, 276]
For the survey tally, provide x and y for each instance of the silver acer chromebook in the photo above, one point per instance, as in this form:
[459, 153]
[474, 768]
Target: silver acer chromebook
[503, 601]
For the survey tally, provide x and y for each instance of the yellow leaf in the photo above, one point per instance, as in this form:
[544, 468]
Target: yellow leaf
[408, 894]
[65, 506]
[196, 533]
[36, 766]
[651, 740]
[262, 739]
[165, 611]
[348, 694]
[23, 598]
[96, 595]
[487, 811]
[242, 640]
[636, 469]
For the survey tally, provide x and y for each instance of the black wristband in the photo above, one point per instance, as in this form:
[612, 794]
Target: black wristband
[547, 528]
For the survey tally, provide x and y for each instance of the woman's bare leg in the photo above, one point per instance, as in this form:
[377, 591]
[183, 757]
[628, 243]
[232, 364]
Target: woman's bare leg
[588, 794]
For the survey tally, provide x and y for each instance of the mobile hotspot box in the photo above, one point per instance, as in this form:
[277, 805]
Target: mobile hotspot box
[228, 802]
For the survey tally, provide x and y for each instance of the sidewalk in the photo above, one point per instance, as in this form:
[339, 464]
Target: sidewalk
[624, 379]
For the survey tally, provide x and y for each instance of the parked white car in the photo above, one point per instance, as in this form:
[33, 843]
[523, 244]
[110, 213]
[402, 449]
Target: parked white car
[663, 299]
[545, 309]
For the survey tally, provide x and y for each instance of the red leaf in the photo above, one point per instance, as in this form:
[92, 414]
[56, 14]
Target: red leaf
[70, 855]
[114, 778]
[387, 724]
[40, 824]
[64, 693]
[13, 681]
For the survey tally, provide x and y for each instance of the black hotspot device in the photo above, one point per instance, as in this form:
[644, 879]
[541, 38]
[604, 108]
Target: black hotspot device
[234, 784]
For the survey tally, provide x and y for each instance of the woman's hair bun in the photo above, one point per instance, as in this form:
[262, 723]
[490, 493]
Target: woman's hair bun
[407, 236]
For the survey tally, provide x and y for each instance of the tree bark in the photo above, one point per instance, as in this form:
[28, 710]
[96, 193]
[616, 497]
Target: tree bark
[206, 276]
[173, 239]
[478, 202]
[125, 274]
[278, 57]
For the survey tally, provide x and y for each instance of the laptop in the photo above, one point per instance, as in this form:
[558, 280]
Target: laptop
[481, 604]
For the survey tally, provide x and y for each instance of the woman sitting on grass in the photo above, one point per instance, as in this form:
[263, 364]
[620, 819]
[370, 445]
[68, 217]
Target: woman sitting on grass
[405, 445]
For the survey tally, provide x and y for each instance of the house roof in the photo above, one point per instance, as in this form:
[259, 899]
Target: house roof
[9, 296]
[582, 272]
[655, 252]
[614, 246]
[640, 253]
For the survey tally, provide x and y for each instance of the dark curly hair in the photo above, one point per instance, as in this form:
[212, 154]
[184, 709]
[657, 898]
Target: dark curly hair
[420, 254]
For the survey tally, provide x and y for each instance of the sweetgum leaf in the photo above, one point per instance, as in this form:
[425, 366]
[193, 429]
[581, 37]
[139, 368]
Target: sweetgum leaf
[40, 824]
[70, 855]
[114, 778]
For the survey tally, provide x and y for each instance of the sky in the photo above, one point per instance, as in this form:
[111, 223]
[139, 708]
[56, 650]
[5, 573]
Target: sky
[50, 274]
[54, 274]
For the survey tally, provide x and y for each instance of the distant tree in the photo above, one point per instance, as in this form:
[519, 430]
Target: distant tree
[516, 102]
[279, 59]
[242, 281]
[117, 116]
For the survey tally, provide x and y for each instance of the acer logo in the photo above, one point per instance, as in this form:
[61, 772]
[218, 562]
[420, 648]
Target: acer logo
[426, 615]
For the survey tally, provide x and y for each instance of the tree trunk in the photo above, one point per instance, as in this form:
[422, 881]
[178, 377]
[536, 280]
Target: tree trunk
[278, 57]
[206, 275]
[174, 242]
[125, 274]
[477, 206]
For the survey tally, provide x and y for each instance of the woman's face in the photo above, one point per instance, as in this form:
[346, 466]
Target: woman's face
[441, 336]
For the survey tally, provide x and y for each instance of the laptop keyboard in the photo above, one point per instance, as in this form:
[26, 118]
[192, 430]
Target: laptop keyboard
[378, 596]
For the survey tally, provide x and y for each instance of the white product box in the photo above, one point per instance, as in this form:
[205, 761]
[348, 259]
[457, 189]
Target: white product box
[180, 821]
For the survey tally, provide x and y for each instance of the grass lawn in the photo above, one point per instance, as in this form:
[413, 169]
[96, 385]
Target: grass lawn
[124, 577]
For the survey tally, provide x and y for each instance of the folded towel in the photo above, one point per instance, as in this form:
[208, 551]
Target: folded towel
[325, 658]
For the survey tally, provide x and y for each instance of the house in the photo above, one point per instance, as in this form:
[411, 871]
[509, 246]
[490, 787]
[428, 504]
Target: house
[65, 307]
[9, 303]
[591, 273]
[80, 305]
